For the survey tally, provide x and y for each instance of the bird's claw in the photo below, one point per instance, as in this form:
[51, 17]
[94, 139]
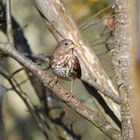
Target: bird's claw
[54, 81]
[69, 96]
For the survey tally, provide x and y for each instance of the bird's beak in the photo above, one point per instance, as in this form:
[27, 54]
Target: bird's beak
[72, 46]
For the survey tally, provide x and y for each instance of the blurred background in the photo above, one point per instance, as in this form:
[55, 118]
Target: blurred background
[97, 30]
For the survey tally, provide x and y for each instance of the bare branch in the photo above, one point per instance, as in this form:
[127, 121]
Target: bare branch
[16, 72]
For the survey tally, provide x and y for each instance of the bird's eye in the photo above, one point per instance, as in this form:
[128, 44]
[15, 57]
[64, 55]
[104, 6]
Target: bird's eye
[66, 44]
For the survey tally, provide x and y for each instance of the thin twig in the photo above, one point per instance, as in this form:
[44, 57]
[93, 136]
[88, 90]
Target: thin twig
[23, 82]
[98, 21]
[94, 16]
[106, 92]
[103, 33]
[25, 99]
[102, 42]
[15, 72]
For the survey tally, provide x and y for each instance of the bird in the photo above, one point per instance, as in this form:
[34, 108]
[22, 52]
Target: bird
[64, 63]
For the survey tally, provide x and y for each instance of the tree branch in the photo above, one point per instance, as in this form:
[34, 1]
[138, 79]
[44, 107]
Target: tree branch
[122, 61]
[94, 117]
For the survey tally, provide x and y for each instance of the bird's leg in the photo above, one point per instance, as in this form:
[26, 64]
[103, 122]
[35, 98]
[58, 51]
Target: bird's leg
[54, 80]
[71, 87]
[69, 94]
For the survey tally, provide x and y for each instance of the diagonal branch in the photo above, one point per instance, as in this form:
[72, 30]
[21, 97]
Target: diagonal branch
[94, 117]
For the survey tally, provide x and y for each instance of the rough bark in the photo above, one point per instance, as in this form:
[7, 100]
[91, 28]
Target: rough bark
[122, 61]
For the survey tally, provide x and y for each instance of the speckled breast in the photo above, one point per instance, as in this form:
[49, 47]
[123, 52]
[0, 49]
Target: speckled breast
[63, 66]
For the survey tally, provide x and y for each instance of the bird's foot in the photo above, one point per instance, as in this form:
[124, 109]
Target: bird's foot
[54, 81]
[69, 96]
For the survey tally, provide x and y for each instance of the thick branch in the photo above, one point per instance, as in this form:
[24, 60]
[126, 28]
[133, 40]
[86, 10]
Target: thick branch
[93, 116]
[123, 66]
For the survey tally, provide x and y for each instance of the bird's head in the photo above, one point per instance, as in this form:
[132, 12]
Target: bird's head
[66, 45]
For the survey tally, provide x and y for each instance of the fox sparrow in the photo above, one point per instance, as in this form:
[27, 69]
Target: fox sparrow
[64, 62]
